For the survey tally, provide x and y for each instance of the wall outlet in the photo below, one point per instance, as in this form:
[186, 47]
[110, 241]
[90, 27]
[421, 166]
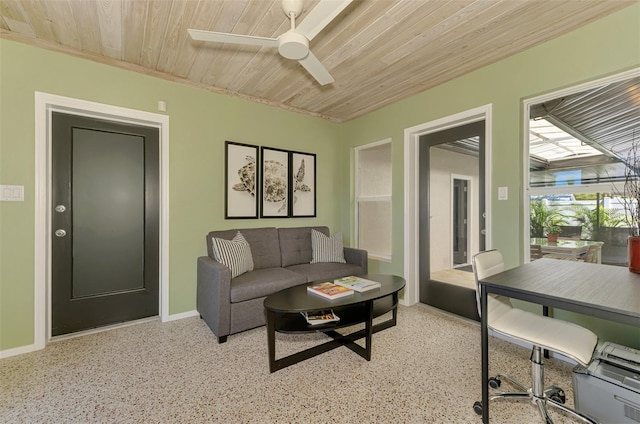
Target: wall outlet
[11, 193]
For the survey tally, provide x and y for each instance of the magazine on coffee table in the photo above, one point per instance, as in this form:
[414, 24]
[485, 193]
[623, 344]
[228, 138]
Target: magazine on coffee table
[320, 317]
[329, 290]
[358, 284]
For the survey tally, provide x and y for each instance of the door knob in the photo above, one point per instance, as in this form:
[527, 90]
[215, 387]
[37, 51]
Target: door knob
[61, 233]
[60, 208]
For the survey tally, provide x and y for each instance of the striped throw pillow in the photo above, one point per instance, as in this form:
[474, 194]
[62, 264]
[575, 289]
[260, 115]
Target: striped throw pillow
[234, 253]
[326, 249]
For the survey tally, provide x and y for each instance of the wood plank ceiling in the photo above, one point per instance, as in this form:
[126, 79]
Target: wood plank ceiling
[378, 51]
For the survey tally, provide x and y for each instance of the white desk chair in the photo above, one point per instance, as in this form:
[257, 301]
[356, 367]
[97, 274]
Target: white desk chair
[565, 338]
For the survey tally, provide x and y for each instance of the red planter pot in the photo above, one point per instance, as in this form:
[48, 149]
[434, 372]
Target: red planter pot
[633, 244]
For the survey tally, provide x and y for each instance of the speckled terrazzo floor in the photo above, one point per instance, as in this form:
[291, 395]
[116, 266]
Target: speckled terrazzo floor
[424, 370]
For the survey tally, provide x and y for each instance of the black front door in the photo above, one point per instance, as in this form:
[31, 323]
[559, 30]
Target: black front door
[105, 223]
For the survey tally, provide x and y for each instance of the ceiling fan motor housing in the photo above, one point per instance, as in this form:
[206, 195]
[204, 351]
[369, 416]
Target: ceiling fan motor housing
[293, 45]
[292, 7]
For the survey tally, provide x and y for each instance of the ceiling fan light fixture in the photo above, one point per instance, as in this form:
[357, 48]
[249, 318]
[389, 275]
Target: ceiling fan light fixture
[293, 45]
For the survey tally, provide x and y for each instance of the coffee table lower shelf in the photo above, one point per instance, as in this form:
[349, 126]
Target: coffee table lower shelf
[364, 312]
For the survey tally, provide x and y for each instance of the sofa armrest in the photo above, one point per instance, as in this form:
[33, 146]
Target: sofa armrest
[357, 257]
[213, 296]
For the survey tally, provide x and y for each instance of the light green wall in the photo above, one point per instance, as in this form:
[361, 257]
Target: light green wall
[200, 122]
[603, 48]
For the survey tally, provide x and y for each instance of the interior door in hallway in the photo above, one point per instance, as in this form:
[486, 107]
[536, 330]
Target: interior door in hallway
[105, 223]
[460, 206]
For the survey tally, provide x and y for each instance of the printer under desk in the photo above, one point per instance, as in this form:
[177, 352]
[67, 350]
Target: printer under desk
[609, 388]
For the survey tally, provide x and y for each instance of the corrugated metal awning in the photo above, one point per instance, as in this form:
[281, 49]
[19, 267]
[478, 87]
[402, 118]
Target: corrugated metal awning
[604, 119]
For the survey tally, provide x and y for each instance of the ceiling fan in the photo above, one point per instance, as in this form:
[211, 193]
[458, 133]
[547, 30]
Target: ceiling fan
[293, 44]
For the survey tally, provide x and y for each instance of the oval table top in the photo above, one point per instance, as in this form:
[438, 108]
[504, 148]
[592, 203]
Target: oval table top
[298, 299]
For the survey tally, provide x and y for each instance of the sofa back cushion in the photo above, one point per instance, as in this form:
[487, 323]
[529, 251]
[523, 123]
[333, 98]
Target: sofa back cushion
[264, 243]
[295, 244]
[327, 249]
[235, 254]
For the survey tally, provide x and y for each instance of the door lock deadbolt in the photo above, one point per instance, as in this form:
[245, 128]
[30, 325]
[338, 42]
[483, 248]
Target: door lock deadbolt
[60, 208]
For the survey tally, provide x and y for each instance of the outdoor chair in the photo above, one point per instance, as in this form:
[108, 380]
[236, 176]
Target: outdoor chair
[591, 255]
[571, 232]
[535, 252]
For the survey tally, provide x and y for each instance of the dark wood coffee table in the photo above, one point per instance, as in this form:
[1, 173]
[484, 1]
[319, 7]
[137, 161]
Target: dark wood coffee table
[283, 315]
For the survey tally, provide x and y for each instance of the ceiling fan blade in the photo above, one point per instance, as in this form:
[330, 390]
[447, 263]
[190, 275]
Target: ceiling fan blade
[223, 37]
[316, 69]
[320, 16]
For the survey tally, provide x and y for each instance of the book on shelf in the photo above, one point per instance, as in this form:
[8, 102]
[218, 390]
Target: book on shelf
[329, 290]
[320, 317]
[358, 284]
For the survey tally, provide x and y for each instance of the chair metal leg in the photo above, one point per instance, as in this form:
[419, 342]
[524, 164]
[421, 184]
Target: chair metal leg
[511, 396]
[513, 382]
[537, 393]
[543, 411]
[571, 412]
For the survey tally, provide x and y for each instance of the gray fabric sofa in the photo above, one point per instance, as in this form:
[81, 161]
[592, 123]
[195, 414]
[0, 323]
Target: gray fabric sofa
[281, 258]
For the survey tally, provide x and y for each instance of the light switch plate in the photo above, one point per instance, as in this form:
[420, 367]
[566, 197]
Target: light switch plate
[503, 193]
[11, 193]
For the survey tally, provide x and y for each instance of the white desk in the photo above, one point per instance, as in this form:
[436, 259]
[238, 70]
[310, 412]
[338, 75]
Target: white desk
[603, 291]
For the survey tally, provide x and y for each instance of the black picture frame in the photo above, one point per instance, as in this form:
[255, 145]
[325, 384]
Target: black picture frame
[302, 184]
[275, 182]
[241, 181]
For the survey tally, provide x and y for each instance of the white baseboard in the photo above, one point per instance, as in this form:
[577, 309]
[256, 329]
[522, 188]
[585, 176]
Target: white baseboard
[33, 347]
[182, 315]
[18, 351]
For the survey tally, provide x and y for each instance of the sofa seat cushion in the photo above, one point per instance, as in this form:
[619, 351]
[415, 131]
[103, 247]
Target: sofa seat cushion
[263, 282]
[326, 270]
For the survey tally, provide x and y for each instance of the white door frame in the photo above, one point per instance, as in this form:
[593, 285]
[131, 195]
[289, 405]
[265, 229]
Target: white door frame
[45, 104]
[411, 194]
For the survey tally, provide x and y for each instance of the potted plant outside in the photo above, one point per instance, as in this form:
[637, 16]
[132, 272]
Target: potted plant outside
[542, 219]
[538, 215]
[552, 230]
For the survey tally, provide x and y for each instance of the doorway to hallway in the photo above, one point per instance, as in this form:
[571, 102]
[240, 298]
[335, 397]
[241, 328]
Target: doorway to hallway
[425, 204]
[452, 216]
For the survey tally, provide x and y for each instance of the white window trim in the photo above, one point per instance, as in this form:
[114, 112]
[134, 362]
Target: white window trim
[529, 191]
[372, 255]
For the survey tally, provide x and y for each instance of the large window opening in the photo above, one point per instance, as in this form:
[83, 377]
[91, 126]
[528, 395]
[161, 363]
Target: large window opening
[373, 199]
[578, 153]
